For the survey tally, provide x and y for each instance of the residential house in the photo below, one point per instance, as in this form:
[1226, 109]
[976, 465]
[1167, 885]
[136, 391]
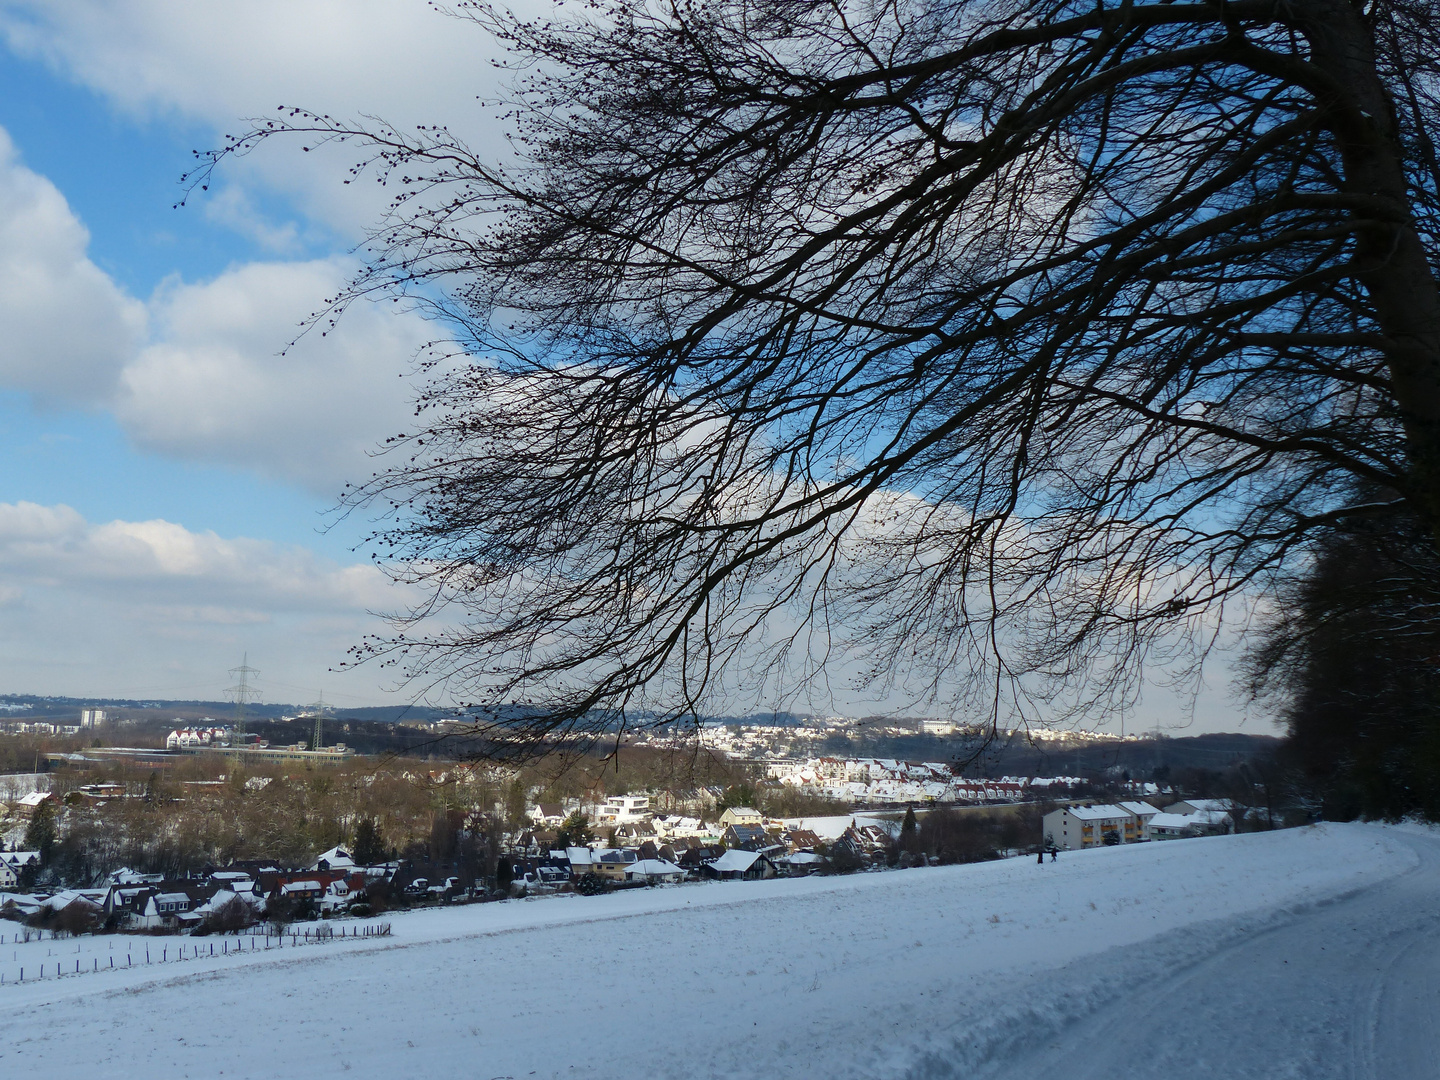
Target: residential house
[676, 826]
[223, 896]
[654, 871]
[26, 806]
[613, 862]
[620, 809]
[170, 904]
[746, 837]
[802, 839]
[1170, 825]
[1143, 813]
[13, 864]
[799, 863]
[1191, 806]
[737, 865]
[1072, 828]
[741, 815]
[547, 814]
[337, 858]
[306, 889]
[695, 859]
[635, 833]
[581, 860]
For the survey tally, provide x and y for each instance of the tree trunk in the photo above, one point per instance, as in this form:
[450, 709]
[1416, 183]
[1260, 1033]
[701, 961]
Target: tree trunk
[1390, 258]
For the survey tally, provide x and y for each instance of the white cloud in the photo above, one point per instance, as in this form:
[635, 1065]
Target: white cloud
[198, 374]
[160, 562]
[96, 605]
[67, 326]
[214, 386]
[232, 207]
[221, 63]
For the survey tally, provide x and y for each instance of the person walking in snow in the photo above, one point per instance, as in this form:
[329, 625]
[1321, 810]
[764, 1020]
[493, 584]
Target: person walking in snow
[1040, 856]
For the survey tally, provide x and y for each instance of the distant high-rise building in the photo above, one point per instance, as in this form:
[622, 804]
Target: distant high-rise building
[91, 718]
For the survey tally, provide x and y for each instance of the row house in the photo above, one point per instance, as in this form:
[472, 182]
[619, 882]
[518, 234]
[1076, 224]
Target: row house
[1073, 828]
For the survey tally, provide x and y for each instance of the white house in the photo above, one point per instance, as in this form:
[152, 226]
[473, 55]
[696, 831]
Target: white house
[337, 858]
[740, 815]
[1144, 814]
[12, 863]
[1076, 827]
[678, 826]
[622, 809]
[1172, 825]
[654, 870]
[161, 909]
[337, 896]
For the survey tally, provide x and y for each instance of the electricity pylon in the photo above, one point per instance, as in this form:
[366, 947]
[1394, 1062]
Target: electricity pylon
[243, 693]
[317, 709]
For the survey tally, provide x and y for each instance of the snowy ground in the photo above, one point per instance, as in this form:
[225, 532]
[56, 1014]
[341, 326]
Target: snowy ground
[1159, 959]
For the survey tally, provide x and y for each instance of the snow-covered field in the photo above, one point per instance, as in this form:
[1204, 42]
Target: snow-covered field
[941, 971]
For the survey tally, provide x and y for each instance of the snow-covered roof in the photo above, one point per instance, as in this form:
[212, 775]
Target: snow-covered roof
[735, 860]
[1098, 813]
[302, 886]
[743, 813]
[216, 902]
[1212, 805]
[1209, 817]
[65, 897]
[1171, 821]
[579, 856]
[1139, 807]
[337, 858]
[801, 858]
[1200, 818]
[654, 868]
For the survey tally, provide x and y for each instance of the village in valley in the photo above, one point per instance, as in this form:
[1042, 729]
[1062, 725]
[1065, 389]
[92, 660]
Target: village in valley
[200, 831]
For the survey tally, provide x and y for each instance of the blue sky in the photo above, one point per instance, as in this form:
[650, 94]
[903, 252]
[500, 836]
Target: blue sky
[120, 176]
[166, 471]
[168, 475]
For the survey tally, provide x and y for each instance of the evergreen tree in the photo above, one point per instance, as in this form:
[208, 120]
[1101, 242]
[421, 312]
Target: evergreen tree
[910, 831]
[41, 833]
[369, 842]
[574, 831]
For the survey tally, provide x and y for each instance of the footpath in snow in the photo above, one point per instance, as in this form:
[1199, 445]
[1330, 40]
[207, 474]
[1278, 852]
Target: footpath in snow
[933, 971]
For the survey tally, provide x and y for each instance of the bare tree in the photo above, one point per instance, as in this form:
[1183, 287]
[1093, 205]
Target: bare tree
[994, 345]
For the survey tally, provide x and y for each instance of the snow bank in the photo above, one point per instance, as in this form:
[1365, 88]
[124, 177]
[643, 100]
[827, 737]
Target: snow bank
[871, 975]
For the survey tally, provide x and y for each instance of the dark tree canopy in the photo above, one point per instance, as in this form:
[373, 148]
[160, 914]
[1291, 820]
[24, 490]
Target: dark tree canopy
[1352, 654]
[994, 346]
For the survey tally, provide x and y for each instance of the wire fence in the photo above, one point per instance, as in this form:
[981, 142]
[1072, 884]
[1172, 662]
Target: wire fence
[138, 952]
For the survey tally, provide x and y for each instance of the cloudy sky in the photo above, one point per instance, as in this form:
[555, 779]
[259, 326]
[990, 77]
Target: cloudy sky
[166, 470]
